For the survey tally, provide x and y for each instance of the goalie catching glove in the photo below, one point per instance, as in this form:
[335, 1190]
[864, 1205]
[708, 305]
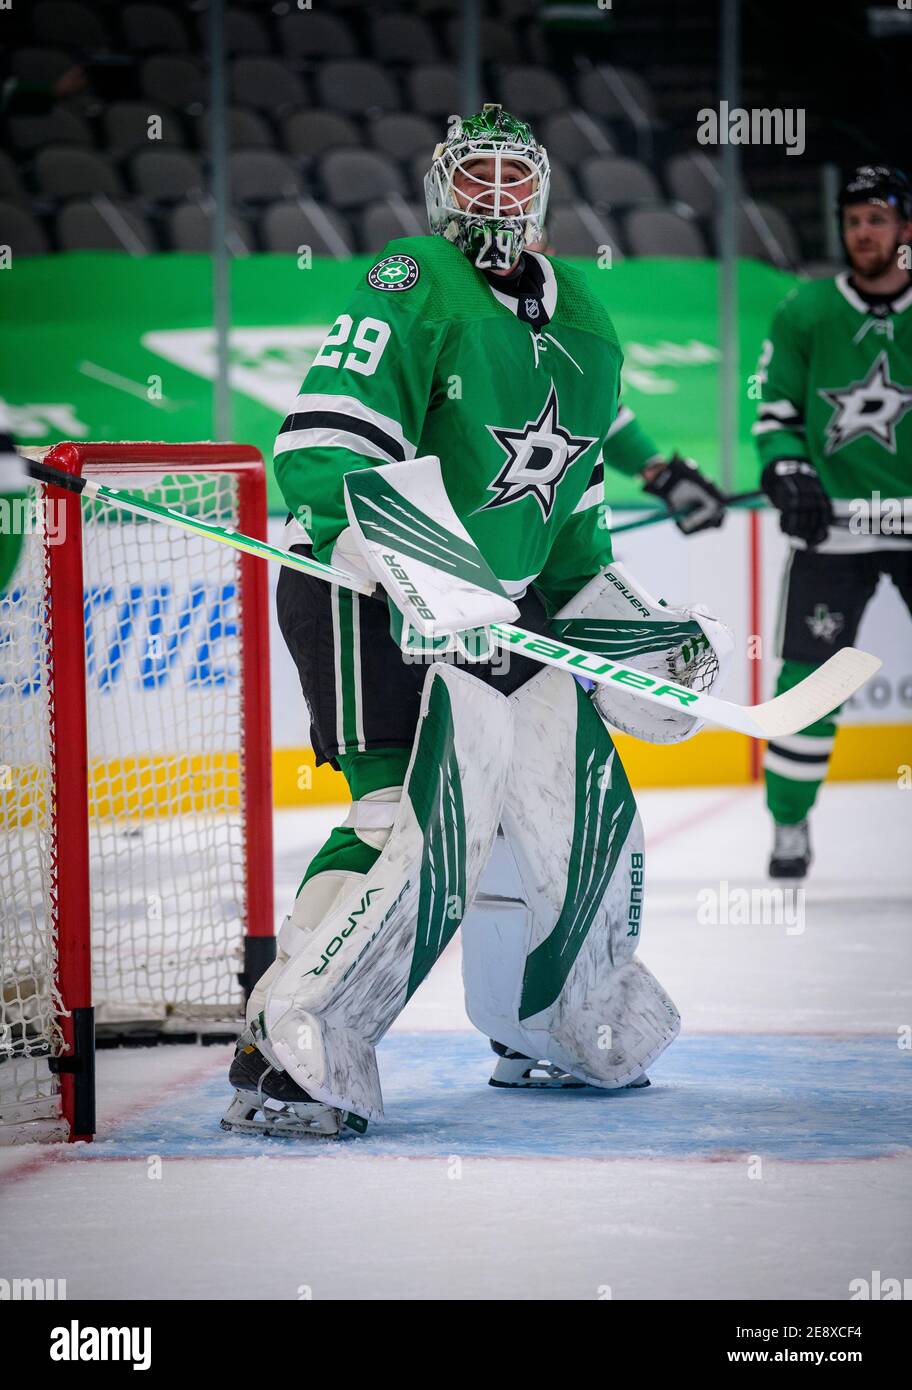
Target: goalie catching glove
[614, 617]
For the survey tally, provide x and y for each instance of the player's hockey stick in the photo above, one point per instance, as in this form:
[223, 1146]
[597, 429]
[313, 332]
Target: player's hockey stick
[132, 502]
[736, 500]
[811, 699]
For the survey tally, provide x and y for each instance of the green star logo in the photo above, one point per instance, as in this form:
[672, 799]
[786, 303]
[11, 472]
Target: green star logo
[394, 273]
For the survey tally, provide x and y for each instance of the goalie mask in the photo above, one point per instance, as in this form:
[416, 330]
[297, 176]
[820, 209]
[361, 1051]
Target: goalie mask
[487, 187]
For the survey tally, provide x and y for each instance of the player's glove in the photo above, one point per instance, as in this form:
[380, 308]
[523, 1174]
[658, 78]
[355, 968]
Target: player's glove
[795, 490]
[680, 484]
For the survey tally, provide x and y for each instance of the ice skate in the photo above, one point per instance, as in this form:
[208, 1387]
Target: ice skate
[267, 1101]
[514, 1070]
[791, 856]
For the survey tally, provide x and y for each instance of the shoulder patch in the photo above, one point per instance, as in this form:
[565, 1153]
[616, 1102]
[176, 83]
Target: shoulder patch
[394, 273]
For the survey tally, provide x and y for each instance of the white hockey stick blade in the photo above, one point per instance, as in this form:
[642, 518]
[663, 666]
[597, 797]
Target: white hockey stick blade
[813, 698]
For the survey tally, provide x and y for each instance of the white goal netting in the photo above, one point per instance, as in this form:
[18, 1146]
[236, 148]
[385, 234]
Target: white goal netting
[162, 627]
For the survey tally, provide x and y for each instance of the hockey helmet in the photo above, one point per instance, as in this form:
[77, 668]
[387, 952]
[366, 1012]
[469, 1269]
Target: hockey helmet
[878, 183]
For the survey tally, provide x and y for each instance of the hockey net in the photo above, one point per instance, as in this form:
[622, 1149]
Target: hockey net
[135, 790]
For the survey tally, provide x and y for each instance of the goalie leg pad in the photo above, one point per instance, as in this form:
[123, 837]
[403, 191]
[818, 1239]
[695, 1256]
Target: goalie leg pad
[316, 900]
[548, 948]
[495, 942]
[347, 976]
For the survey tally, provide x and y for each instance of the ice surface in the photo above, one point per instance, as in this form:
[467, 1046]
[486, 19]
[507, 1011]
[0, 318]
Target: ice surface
[771, 1157]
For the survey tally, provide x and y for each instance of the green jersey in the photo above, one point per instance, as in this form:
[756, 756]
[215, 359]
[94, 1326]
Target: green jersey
[429, 358]
[836, 378]
[628, 448]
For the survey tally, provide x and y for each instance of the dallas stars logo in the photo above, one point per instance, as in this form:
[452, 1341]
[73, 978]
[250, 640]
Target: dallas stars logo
[825, 626]
[872, 407]
[394, 273]
[538, 457]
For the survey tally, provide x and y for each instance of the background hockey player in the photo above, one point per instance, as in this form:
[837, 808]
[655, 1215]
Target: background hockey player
[447, 442]
[835, 424]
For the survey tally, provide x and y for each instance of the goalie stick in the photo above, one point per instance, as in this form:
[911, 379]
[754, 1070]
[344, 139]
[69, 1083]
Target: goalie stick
[811, 699]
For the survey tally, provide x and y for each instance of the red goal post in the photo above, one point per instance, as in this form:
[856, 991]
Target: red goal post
[135, 668]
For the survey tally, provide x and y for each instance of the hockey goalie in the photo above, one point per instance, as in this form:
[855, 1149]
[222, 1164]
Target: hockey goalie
[447, 449]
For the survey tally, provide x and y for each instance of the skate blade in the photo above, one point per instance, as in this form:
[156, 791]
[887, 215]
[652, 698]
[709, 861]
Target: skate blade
[556, 1084]
[545, 1085]
[516, 1074]
[245, 1115]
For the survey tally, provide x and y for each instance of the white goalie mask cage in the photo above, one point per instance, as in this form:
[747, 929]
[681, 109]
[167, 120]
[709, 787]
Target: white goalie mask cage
[495, 212]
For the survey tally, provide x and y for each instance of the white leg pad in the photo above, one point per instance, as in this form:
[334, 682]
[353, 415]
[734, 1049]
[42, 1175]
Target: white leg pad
[332, 1000]
[495, 942]
[548, 948]
[316, 899]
